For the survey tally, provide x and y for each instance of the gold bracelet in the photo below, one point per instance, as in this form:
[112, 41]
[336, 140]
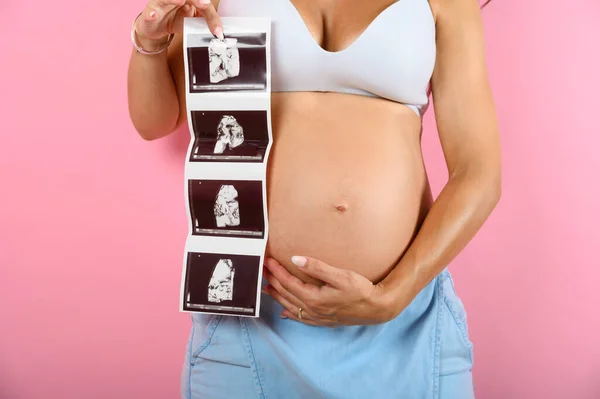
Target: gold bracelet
[140, 49]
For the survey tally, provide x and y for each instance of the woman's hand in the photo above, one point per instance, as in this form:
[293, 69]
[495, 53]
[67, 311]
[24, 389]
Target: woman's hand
[347, 298]
[163, 17]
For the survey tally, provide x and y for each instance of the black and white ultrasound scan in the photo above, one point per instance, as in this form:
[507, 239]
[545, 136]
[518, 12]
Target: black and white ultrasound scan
[228, 101]
[228, 208]
[238, 62]
[229, 136]
[221, 283]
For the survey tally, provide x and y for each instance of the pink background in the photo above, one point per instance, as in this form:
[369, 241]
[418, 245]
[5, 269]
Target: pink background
[92, 218]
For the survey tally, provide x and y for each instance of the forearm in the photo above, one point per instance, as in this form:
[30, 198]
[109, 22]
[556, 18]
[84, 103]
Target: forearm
[152, 96]
[455, 217]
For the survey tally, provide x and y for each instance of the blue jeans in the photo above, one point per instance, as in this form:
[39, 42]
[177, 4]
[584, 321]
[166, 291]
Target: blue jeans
[423, 353]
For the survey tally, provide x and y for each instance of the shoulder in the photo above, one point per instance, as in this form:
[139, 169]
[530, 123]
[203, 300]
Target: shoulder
[448, 11]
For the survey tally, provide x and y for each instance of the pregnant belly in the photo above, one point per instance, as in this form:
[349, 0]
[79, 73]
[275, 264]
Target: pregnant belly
[346, 182]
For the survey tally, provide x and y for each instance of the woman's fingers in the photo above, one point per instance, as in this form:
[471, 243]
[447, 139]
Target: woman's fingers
[208, 11]
[283, 301]
[288, 302]
[159, 17]
[291, 302]
[162, 17]
[293, 309]
[187, 10]
[153, 23]
[157, 10]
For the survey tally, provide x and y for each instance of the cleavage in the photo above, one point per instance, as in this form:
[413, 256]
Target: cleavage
[335, 25]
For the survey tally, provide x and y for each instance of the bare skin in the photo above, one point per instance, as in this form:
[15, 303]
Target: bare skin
[347, 190]
[346, 181]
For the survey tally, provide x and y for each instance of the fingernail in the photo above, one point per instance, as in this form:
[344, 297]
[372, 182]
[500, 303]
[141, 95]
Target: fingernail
[283, 316]
[264, 292]
[204, 1]
[219, 32]
[152, 14]
[299, 261]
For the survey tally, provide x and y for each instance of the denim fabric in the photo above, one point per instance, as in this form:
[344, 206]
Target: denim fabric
[423, 353]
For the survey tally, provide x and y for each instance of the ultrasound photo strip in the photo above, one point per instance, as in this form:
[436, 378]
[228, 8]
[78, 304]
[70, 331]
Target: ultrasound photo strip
[228, 106]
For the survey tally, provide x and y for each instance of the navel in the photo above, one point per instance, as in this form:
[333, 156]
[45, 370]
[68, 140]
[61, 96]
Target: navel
[341, 207]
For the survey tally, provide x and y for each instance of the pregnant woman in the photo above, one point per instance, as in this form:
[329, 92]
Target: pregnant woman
[357, 301]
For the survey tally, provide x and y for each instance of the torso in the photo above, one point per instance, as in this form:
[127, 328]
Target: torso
[346, 182]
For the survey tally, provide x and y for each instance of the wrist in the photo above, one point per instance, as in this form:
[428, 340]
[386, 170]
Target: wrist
[396, 292]
[382, 300]
[150, 44]
[147, 45]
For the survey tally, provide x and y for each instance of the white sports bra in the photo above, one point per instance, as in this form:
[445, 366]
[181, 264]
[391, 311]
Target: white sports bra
[392, 58]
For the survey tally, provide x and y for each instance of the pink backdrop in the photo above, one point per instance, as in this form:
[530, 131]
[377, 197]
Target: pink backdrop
[92, 219]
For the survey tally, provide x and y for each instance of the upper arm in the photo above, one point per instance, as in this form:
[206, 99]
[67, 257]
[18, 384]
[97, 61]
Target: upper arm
[178, 72]
[177, 67]
[463, 103]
